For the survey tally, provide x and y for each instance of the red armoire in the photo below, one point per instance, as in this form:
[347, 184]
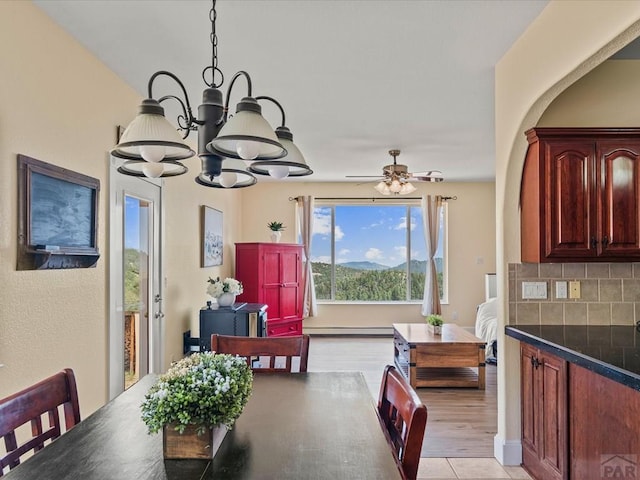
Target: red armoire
[271, 273]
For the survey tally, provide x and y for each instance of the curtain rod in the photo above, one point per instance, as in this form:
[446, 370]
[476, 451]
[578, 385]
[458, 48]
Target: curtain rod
[373, 199]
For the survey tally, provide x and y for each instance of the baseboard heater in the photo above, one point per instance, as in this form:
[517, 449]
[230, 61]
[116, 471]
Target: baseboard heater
[369, 331]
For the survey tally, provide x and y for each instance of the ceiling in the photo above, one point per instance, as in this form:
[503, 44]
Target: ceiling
[356, 78]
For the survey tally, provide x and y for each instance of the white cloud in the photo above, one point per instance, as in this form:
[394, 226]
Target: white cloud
[322, 225]
[402, 224]
[374, 254]
[344, 252]
[322, 259]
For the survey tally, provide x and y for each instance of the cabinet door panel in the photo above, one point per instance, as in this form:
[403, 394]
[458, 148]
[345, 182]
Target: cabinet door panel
[620, 176]
[529, 396]
[553, 449]
[571, 214]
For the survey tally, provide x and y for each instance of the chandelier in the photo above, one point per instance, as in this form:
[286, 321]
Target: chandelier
[152, 147]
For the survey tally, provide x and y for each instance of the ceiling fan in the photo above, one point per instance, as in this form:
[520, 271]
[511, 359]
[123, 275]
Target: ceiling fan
[395, 177]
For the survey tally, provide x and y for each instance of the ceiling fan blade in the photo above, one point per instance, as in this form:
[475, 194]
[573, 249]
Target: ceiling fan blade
[429, 176]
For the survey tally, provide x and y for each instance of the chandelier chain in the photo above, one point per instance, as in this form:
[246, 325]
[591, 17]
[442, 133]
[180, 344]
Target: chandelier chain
[213, 15]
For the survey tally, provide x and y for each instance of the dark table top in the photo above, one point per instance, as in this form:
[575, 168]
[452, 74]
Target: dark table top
[295, 426]
[612, 351]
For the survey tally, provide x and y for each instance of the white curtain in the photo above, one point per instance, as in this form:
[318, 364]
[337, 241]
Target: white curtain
[305, 221]
[431, 211]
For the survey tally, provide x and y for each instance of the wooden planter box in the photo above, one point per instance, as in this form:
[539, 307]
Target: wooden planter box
[191, 445]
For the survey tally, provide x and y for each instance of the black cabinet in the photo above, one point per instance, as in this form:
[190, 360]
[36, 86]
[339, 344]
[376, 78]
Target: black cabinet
[241, 319]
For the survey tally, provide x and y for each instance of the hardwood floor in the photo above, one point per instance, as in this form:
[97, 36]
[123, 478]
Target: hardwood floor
[461, 421]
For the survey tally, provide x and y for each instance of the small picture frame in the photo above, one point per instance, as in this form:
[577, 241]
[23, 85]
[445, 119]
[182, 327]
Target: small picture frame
[212, 239]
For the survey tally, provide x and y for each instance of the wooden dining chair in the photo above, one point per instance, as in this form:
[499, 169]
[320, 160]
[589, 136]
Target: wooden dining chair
[403, 417]
[29, 405]
[257, 348]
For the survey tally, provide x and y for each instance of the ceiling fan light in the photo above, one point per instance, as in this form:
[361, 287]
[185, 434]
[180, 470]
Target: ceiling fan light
[407, 188]
[381, 187]
[395, 186]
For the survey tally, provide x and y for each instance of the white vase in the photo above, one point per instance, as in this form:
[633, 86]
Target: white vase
[275, 237]
[226, 299]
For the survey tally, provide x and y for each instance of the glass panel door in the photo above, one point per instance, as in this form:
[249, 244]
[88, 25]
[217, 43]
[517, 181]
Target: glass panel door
[136, 329]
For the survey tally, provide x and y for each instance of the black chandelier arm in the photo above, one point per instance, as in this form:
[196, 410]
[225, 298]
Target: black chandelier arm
[185, 121]
[241, 73]
[186, 105]
[264, 97]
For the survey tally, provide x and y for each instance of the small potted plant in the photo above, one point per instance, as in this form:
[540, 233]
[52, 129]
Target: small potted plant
[196, 402]
[276, 230]
[434, 323]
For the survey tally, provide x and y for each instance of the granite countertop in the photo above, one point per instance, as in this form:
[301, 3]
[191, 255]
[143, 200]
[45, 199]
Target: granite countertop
[611, 351]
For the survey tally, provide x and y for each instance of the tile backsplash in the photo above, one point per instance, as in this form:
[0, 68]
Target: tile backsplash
[610, 294]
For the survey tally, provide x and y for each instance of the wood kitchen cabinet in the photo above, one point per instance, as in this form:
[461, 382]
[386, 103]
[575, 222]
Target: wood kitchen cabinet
[271, 273]
[544, 414]
[580, 195]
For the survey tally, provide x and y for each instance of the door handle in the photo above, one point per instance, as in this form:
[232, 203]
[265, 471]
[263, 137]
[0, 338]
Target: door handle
[157, 298]
[159, 315]
[535, 362]
[605, 241]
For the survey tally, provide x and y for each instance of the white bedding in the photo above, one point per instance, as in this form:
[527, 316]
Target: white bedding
[487, 324]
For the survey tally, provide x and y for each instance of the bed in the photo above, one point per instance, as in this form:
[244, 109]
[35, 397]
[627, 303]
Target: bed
[487, 327]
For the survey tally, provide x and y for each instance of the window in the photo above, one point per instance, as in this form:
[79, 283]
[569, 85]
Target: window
[373, 252]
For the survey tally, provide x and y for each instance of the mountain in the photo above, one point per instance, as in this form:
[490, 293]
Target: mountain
[364, 266]
[417, 266]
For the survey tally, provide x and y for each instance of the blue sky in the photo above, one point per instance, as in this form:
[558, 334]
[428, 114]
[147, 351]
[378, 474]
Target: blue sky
[374, 233]
[132, 222]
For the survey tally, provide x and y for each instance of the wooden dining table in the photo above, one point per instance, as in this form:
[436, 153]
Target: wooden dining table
[320, 425]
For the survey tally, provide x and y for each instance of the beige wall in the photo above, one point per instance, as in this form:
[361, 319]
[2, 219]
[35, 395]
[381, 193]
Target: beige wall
[471, 236]
[60, 105]
[566, 41]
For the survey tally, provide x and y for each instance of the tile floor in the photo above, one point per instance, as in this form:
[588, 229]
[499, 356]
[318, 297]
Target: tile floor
[468, 469]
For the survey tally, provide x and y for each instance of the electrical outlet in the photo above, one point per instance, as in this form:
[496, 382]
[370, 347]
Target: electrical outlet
[574, 289]
[561, 289]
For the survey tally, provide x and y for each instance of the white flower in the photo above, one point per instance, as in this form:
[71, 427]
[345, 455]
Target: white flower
[229, 285]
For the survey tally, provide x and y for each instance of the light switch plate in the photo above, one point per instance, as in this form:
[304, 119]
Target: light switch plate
[534, 290]
[561, 289]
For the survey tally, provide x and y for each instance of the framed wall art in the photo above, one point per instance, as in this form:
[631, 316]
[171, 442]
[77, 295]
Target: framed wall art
[57, 216]
[212, 244]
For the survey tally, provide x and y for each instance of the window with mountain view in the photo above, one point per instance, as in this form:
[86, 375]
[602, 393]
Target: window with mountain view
[373, 253]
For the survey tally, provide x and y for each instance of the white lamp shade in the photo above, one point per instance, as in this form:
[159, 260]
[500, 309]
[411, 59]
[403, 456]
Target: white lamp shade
[151, 137]
[249, 131]
[395, 186]
[141, 168]
[407, 188]
[294, 156]
[381, 187]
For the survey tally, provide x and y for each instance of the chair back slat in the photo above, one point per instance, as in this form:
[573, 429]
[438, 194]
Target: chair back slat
[255, 349]
[403, 418]
[28, 406]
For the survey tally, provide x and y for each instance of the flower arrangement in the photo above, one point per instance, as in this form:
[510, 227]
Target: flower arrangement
[229, 285]
[204, 389]
[276, 226]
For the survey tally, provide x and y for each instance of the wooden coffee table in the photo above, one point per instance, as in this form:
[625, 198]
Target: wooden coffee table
[453, 359]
